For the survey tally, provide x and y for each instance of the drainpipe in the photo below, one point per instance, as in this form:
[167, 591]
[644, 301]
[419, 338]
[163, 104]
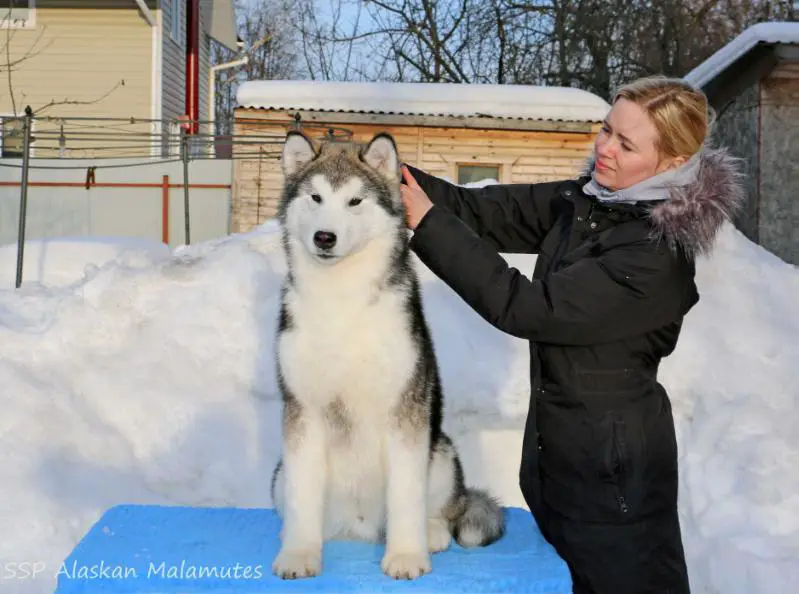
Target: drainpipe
[212, 87]
[245, 59]
[193, 64]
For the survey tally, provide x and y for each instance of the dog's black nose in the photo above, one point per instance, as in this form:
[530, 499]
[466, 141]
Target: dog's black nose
[324, 239]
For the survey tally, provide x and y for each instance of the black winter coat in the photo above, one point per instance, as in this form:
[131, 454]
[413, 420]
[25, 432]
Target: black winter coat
[610, 288]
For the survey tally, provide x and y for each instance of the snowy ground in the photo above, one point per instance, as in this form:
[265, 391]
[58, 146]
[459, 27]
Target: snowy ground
[131, 374]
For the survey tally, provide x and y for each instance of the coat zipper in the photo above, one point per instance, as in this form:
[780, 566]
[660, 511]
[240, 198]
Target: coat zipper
[618, 444]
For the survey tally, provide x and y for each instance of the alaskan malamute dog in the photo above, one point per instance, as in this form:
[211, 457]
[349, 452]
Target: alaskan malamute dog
[364, 456]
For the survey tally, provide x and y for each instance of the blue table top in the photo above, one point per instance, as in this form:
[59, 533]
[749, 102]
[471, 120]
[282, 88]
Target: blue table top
[163, 549]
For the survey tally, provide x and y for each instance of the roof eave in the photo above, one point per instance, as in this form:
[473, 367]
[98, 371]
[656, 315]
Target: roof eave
[477, 122]
[757, 63]
[738, 64]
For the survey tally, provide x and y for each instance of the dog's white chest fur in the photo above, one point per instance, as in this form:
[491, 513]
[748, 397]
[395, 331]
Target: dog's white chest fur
[347, 360]
[348, 343]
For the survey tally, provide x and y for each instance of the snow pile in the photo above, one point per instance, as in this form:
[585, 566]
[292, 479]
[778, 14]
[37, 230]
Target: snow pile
[61, 261]
[148, 377]
[735, 384]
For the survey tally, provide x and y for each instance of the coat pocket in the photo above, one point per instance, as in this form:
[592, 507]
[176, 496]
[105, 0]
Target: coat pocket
[621, 456]
[591, 466]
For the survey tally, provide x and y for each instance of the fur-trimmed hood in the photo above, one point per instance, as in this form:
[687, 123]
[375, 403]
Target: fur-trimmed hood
[693, 214]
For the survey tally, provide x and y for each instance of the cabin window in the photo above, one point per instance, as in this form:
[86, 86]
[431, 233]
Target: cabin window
[474, 173]
[18, 14]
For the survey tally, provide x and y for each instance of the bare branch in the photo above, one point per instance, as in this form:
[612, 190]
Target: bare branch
[54, 103]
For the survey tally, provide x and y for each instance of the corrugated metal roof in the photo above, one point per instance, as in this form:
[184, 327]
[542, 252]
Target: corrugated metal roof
[426, 99]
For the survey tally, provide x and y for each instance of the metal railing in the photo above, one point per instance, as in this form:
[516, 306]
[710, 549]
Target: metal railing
[132, 142]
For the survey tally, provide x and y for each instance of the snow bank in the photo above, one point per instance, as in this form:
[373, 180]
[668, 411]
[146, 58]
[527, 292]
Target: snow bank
[147, 377]
[735, 383]
[61, 261]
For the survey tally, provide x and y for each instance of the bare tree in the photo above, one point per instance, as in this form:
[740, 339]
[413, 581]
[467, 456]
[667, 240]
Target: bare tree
[600, 44]
[271, 46]
[596, 45]
[13, 60]
[335, 42]
[680, 35]
[15, 55]
[417, 40]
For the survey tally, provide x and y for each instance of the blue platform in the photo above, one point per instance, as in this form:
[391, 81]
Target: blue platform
[157, 549]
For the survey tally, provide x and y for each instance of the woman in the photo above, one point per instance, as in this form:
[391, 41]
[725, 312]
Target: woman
[613, 280]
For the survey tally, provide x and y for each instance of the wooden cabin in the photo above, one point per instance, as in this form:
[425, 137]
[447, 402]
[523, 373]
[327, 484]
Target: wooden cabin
[461, 132]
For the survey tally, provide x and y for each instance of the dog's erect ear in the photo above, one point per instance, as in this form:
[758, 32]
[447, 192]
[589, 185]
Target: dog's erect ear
[297, 151]
[381, 155]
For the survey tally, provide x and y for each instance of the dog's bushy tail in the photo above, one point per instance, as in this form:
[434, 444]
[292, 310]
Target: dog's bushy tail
[482, 521]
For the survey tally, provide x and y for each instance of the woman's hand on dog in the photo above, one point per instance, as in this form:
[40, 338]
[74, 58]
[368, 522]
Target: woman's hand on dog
[416, 201]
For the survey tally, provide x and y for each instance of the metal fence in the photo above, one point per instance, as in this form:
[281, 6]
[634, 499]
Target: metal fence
[81, 147]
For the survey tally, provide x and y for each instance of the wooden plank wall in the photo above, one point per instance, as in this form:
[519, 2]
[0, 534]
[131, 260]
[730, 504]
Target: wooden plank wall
[524, 156]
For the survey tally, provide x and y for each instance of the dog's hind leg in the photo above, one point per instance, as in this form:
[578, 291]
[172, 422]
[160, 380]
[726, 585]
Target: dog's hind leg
[445, 483]
[472, 516]
[303, 470]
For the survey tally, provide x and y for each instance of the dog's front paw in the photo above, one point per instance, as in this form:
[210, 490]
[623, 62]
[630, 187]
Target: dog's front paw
[294, 564]
[405, 566]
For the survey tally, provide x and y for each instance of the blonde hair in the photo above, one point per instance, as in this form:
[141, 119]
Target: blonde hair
[679, 111]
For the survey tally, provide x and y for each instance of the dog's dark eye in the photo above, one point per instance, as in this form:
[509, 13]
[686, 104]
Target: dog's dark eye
[316, 198]
[356, 201]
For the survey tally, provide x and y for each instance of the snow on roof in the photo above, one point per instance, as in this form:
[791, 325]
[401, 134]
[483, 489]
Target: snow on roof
[430, 99]
[768, 33]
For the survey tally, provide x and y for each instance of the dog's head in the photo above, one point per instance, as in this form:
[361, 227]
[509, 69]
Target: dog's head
[340, 198]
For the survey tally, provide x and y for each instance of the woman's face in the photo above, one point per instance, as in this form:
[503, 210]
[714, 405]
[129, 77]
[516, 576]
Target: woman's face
[625, 148]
